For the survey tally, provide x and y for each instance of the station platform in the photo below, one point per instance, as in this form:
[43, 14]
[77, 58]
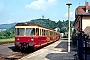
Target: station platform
[54, 51]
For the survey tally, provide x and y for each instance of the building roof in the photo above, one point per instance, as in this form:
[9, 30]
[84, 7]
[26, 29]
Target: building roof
[81, 10]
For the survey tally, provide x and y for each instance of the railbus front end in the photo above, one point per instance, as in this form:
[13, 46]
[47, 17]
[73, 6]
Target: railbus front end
[24, 37]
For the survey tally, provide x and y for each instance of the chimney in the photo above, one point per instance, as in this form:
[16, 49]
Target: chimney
[87, 7]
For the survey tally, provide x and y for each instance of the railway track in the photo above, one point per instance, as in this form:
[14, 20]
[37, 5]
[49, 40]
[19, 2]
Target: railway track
[1, 43]
[15, 56]
[18, 55]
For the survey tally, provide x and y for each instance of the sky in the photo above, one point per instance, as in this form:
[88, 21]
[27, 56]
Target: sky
[13, 11]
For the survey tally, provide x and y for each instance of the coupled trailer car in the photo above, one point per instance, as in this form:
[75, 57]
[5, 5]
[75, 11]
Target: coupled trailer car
[33, 35]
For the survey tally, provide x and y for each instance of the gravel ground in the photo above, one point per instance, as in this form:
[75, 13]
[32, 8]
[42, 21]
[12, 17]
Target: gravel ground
[7, 49]
[54, 51]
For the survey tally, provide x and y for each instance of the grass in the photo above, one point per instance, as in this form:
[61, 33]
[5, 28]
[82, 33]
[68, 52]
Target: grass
[7, 40]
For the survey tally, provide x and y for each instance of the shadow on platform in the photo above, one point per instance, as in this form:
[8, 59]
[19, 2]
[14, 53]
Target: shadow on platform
[62, 45]
[63, 55]
[60, 56]
[13, 48]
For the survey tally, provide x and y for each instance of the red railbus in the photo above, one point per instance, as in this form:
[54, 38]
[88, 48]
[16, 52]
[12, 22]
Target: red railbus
[33, 35]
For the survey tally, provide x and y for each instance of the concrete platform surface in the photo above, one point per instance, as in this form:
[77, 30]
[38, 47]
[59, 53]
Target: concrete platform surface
[54, 51]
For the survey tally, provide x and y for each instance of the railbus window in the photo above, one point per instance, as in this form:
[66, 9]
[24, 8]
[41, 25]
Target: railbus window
[40, 32]
[56, 33]
[48, 33]
[37, 31]
[20, 31]
[51, 33]
[30, 31]
[44, 32]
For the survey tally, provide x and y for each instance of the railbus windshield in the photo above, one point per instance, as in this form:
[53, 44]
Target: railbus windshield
[30, 31]
[25, 32]
[19, 31]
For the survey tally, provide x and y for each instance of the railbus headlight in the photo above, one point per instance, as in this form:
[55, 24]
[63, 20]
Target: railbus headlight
[17, 38]
[32, 39]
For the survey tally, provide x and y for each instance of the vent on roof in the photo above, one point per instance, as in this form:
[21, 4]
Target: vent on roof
[25, 23]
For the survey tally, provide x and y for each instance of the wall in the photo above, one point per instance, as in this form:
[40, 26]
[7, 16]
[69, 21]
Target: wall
[85, 22]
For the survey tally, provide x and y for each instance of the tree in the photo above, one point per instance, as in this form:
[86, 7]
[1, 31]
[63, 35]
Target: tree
[59, 24]
[63, 30]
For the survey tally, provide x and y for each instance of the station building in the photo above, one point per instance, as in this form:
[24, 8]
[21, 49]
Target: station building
[82, 19]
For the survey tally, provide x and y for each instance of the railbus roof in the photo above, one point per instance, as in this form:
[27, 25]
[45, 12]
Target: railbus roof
[31, 24]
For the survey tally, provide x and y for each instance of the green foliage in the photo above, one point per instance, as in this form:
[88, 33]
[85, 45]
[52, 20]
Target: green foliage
[59, 24]
[66, 36]
[63, 30]
[9, 33]
[45, 22]
[65, 23]
[74, 40]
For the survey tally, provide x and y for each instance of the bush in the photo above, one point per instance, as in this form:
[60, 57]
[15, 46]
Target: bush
[74, 40]
[66, 36]
[2, 37]
[6, 34]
